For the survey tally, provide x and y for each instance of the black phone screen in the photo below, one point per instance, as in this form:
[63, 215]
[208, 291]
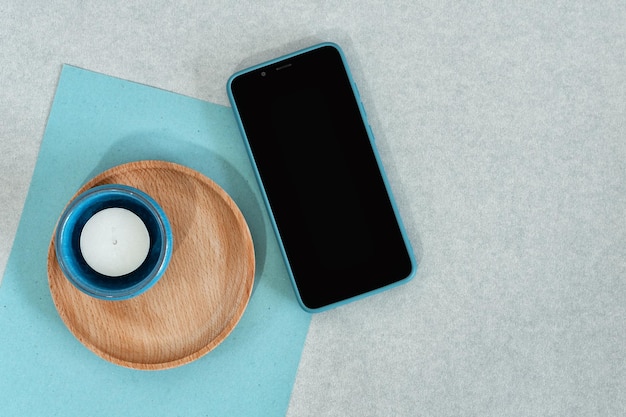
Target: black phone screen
[320, 174]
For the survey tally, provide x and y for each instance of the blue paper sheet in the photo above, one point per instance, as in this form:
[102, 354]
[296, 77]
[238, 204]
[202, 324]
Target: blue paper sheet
[95, 123]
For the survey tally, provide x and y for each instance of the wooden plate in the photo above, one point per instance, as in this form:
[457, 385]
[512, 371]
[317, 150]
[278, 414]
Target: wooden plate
[200, 298]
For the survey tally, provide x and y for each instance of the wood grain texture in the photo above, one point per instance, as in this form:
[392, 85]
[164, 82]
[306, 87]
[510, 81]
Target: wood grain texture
[203, 293]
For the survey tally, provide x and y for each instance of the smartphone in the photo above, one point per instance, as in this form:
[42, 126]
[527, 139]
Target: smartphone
[322, 181]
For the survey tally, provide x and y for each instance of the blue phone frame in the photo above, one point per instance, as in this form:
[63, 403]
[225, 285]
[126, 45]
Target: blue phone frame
[378, 161]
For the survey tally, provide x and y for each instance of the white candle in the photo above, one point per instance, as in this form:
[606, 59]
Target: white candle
[114, 242]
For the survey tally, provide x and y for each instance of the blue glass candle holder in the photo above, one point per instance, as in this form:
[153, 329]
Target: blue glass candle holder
[75, 267]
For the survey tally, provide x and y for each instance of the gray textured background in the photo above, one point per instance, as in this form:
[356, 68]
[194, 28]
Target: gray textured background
[502, 128]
